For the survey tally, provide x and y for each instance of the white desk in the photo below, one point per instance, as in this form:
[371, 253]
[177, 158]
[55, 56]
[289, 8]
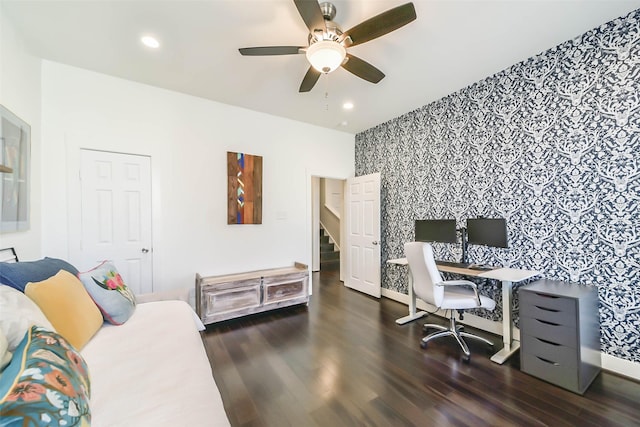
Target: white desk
[507, 276]
[413, 314]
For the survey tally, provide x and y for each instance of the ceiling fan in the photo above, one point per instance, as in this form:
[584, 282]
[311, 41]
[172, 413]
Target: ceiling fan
[328, 44]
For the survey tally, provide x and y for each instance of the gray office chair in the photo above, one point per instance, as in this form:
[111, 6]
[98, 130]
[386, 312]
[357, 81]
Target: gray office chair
[446, 295]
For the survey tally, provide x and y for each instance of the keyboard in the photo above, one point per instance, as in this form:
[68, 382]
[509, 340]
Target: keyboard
[453, 264]
[470, 266]
[480, 267]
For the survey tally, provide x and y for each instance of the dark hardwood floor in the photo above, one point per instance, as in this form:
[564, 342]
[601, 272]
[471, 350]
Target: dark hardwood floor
[343, 361]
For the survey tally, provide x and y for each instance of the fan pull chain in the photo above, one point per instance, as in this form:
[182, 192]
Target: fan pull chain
[326, 92]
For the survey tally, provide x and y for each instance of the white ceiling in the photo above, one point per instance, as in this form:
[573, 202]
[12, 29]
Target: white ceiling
[452, 44]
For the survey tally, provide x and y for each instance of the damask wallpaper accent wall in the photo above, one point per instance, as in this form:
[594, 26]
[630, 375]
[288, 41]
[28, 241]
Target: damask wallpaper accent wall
[552, 144]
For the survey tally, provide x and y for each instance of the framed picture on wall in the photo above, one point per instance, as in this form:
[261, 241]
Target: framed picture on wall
[244, 188]
[15, 152]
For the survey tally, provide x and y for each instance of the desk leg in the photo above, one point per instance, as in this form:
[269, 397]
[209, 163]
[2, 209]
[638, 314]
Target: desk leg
[510, 345]
[413, 315]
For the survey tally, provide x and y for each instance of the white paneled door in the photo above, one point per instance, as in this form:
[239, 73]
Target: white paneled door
[363, 234]
[116, 214]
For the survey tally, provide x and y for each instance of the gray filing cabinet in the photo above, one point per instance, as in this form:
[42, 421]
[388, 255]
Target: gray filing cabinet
[560, 333]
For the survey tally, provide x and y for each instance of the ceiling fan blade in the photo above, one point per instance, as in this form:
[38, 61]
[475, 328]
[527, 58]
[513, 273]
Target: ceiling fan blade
[380, 25]
[309, 80]
[271, 50]
[311, 15]
[362, 69]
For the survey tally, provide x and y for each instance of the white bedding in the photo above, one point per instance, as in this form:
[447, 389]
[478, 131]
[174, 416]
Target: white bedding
[153, 371]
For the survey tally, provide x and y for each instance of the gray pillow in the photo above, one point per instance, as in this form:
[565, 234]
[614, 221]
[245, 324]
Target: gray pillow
[17, 314]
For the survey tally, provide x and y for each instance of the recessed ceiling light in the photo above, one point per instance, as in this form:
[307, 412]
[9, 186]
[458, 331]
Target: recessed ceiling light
[150, 42]
[347, 105]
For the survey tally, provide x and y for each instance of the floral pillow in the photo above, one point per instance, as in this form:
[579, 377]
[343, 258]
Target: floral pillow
[114, 299]
[5, 354]
[46, 383]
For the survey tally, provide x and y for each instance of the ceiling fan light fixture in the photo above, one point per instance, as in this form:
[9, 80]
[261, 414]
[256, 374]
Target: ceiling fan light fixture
[326, 55]
[150, 41]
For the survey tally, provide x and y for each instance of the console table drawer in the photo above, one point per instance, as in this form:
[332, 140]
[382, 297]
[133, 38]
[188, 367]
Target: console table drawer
[220, 301]
[285, 288]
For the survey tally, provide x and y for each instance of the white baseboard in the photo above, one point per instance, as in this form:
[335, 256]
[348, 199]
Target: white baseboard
[621, 367]
[610, 363]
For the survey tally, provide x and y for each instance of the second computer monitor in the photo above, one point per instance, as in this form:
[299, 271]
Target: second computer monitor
[436, 230]
[487, 232]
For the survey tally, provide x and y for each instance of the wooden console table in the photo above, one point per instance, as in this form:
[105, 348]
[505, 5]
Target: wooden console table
[229, 296]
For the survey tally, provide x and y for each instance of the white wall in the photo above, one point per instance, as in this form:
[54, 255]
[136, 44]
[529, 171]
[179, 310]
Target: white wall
[187, 139]
[20, 93]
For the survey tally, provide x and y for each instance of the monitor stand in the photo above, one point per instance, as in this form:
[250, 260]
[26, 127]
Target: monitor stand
[463, 233]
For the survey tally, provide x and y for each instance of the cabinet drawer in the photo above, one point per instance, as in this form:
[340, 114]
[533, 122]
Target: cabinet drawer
[219, 302]
[556, 353]
[288, 288]
[559, 316]
[549, 305]
[549, 370]
[549, 331]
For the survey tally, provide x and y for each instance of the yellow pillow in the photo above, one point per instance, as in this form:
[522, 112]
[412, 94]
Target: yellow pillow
[68, 306]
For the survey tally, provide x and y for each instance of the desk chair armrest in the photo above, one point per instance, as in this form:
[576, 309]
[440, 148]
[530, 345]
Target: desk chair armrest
[463, 283]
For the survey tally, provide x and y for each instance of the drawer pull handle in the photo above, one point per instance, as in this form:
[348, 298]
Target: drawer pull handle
[548, 361]
[547, 296]
[547, 309]
[548, 323]
[548, 342]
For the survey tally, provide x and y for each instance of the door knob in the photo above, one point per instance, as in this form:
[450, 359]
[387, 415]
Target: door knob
[145, 250]
[375, 242]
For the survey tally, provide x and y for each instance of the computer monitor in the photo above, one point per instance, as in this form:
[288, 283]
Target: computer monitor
[436, 230]
[487, 232]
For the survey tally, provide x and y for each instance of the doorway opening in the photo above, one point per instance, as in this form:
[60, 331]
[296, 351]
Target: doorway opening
[328, 219]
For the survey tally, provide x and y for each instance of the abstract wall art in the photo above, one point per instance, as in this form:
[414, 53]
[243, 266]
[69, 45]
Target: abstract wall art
[15, 150]
[244, 188]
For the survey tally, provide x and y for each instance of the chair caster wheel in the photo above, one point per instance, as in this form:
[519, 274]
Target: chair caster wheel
[423, 344]
[466, 359]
